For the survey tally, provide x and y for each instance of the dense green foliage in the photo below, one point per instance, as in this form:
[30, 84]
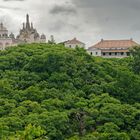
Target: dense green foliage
[136, 59]
[48, 92]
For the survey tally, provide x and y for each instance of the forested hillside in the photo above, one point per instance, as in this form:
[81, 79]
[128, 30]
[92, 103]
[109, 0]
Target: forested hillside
[48, 92]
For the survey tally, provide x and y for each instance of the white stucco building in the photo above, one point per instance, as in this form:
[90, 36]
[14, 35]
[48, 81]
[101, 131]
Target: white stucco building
[5, 40]
[112, 48]
[74, 43]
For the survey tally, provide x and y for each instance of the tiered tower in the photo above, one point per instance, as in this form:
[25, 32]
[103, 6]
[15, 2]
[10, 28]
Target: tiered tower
[28, 34]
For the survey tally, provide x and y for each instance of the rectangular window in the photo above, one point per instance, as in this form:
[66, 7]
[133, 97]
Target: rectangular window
[96, 53]
[128, 53]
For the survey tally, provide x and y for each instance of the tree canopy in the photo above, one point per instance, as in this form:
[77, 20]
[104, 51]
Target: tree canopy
[136, 59]
[49, 92]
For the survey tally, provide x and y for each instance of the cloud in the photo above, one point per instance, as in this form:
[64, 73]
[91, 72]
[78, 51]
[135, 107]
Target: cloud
[88, 20]
[106, 3]
[13, 0]
[115, 18]
[10, 8]
[63, 9]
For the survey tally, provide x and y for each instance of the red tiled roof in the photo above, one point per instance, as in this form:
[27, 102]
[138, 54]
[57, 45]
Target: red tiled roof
[74, 41]
[114, 44]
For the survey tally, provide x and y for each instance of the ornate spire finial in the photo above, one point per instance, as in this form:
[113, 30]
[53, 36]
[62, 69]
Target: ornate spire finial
[27, 18]
[27, 22]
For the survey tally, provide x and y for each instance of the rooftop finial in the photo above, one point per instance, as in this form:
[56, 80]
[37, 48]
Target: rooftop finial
[27, 18]
[27, 22]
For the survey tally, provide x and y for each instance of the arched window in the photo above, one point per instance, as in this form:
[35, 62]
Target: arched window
[7, 44]
[1, 44]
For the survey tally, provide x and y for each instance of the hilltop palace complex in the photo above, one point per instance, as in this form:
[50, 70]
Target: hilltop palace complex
[104, 48]
[28, 34]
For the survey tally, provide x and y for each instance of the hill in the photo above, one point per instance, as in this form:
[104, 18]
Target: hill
[52, 92]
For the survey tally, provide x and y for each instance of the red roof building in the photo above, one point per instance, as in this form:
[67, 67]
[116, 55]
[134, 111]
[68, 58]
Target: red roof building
[74, 43]
[112, 48]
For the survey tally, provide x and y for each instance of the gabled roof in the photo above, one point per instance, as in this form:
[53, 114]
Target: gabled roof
[63, 42]
[108, 44]
[74, 41]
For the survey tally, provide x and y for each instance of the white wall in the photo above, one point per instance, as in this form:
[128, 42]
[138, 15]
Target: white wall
[4, 43]
[74, 45]
[95, 52]
[113, 55]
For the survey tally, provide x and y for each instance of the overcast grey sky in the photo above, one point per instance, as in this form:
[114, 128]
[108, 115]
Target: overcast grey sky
[88, 20]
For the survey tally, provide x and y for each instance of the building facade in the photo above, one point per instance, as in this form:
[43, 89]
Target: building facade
[5, 39]
[74, 43]
[112, 48]
[28, 34]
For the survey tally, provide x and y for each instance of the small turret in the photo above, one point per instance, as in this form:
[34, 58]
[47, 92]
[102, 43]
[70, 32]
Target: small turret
[36, 35]
[43, 38]
[12, 36]
[52, 39]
